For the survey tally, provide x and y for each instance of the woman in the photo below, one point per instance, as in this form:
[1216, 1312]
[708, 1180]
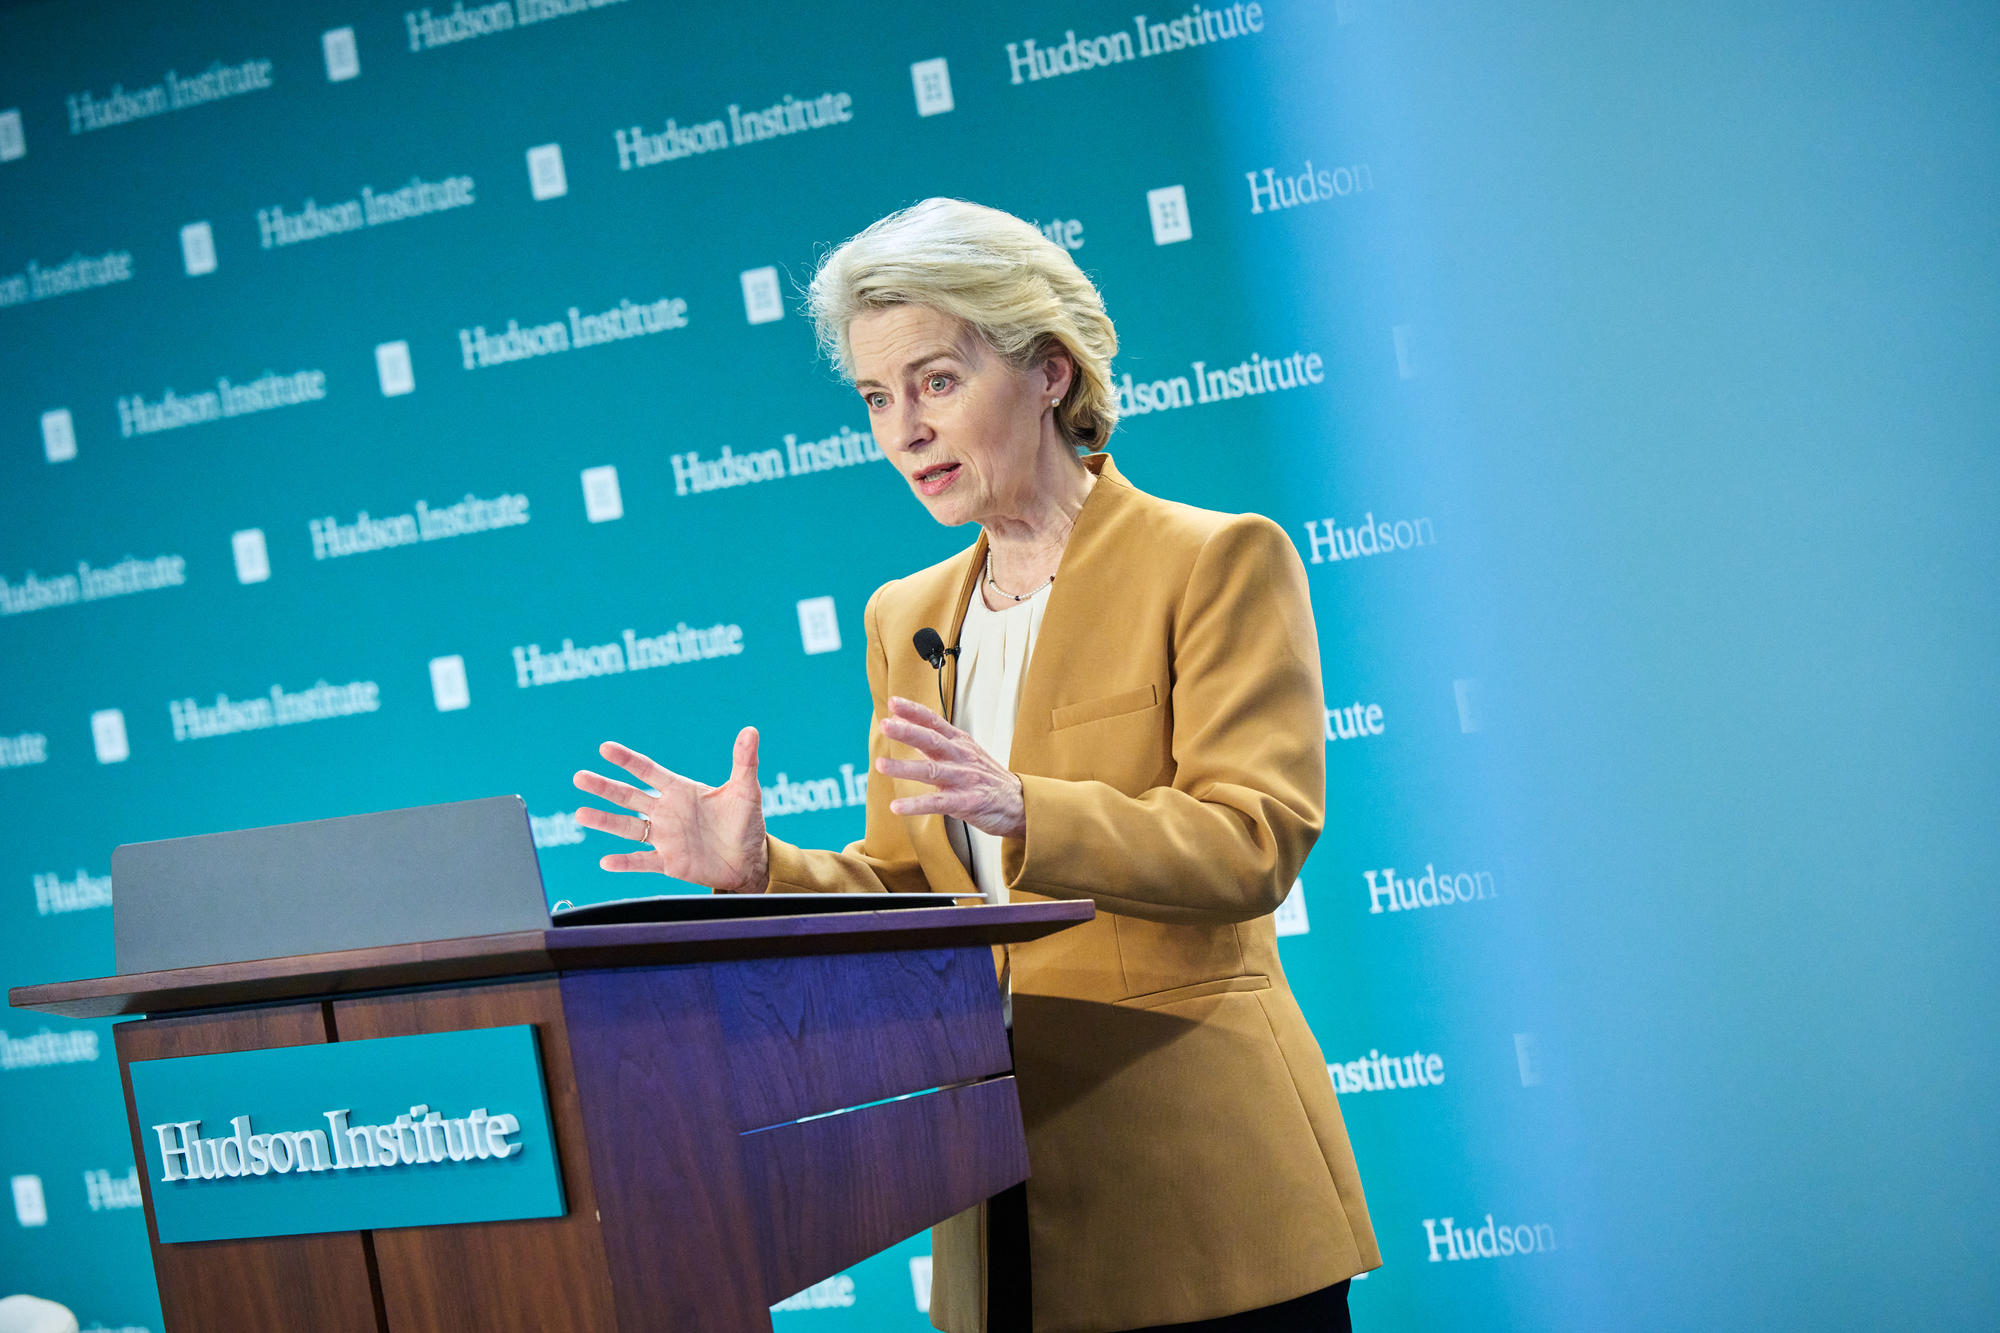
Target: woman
[1138, 722]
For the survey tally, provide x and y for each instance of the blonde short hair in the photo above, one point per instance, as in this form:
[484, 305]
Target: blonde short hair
[1020, 291]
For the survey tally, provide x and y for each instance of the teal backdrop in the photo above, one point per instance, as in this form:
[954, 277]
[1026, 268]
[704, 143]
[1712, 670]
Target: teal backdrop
[1644, 477]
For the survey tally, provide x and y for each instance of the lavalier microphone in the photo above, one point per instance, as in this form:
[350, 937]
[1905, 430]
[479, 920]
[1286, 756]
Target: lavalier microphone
[930, 646]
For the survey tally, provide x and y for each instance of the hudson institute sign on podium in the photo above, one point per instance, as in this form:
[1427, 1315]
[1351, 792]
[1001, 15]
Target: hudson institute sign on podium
[357, 1135]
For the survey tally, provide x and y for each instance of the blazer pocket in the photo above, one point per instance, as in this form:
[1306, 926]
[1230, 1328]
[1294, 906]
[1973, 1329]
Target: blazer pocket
[1154, 999]
[1111, 705]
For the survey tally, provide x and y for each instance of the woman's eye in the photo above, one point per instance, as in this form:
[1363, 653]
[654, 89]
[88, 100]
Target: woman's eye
[939, 382]
[876, 401]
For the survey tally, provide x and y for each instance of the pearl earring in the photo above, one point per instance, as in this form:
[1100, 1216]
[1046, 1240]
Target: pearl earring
[1055, 402]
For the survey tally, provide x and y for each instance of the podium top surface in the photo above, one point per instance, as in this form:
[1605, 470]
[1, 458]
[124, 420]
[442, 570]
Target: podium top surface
[557, 949]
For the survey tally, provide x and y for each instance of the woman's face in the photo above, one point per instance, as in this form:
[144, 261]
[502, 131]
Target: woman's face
[962, 426]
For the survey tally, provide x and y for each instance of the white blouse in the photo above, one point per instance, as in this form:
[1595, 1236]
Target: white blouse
[993, 652]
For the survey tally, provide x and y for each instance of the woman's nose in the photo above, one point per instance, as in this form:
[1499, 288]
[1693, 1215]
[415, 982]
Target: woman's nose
[913, 428]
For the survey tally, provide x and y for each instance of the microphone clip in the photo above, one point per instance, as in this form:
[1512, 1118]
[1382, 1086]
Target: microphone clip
[930, 646]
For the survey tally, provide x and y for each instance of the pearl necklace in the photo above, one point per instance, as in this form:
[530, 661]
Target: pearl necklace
[1003, 592]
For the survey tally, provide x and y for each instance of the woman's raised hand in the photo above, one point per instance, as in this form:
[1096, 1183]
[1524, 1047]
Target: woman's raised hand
[712, 836]
[971, 784]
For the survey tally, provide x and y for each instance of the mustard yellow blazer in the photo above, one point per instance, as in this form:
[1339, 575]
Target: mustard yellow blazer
[1188, 1155]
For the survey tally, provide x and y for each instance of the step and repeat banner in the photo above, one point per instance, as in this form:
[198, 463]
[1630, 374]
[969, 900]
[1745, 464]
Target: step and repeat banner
[398, 403]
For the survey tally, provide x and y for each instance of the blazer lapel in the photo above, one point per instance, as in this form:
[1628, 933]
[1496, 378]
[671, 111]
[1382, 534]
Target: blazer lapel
[1075, 613]
[968, 584]
[946, 873]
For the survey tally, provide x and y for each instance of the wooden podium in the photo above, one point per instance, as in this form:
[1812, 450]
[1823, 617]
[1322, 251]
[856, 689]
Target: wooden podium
[741, 1108]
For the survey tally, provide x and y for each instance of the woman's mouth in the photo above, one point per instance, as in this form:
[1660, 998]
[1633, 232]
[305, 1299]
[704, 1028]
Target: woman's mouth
[935, 478]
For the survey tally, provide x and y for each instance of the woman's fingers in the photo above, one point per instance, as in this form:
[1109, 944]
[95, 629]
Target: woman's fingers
[652, 862]
[619, 793]
[638, 765]
[992, 811]
[917, 770]
[911, 711]
[622, 826]
[925, 740]
[932, 803]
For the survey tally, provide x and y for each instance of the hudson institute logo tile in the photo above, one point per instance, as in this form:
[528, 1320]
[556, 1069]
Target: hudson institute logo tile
[31, 1206]
[1528, 1057]
[448, 688]
[762, 302]
[1470, 695]
[58, 435]
[253, 559]
[1405, 338]
[13, 143]
[107, 733]
[602, 502]
[198, 248]
[932, 80]
[343, 58]
[1169, 210]
[392, 367]
[1290, 918]
[546, 179]
[819, 627]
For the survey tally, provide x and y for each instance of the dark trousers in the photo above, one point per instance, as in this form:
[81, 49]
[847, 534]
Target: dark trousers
[1010, 1296]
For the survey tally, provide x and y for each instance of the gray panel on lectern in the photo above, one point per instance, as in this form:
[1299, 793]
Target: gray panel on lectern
[431, 872]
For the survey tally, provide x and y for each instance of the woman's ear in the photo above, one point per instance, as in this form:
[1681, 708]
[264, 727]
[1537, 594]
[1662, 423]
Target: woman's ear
[1058, 372]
